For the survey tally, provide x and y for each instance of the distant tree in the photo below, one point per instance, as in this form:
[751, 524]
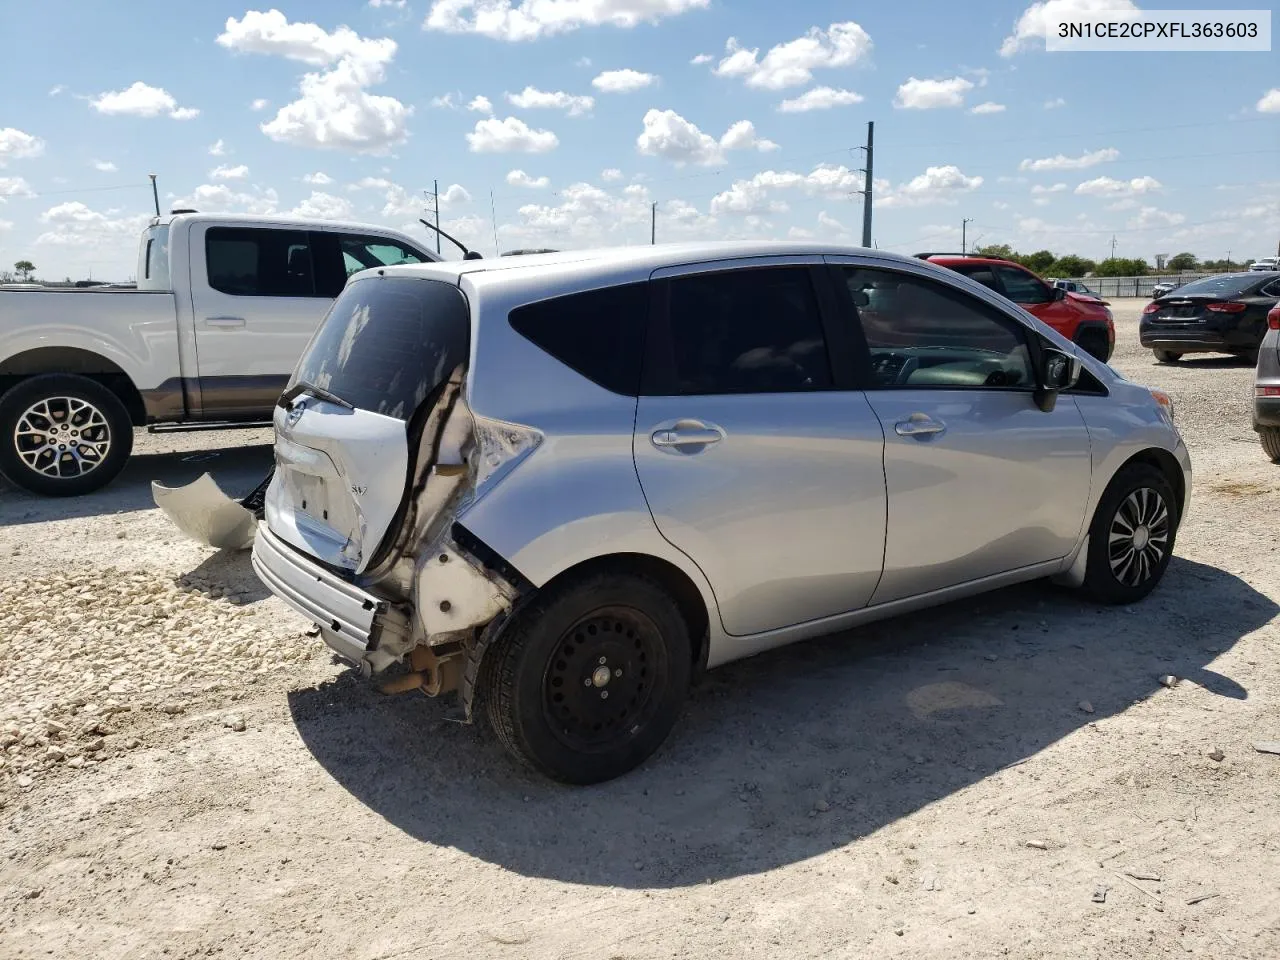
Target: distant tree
[26, 268]
[1182, 261]
[1040, 261]
[1072, 266]
[1002, 250]
[1122, 267]
[6, 276]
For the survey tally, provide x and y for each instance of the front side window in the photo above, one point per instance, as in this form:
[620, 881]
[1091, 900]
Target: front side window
[259, 262]
[1021, 286]
[747, 331]
[361, 253]
[923, 334]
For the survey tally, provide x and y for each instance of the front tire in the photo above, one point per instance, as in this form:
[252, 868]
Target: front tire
[1166, 356]
[63, 435]
[588, 681]
[1132, 536]
[1270, 437]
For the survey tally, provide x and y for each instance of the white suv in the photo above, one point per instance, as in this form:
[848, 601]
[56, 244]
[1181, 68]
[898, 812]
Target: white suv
[562, 485]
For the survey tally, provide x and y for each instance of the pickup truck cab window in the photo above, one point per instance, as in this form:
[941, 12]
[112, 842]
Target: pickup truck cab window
[257, 262]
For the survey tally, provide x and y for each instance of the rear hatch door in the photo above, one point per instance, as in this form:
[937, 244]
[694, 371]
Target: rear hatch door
[345, 425]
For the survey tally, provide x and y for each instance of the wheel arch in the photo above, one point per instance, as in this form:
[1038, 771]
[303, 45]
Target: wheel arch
[1167, 464]
[76, 362]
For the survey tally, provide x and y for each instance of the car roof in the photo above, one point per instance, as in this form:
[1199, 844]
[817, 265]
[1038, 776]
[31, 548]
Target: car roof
[948, 259]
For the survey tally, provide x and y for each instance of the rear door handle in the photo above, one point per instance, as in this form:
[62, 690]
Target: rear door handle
[224, 321]
[686, 434]
[919, 425]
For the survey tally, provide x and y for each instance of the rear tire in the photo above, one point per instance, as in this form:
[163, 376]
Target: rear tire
[548, 678]
[1166, 356]
[1270, 437]
[63, 435]
[1132, 535]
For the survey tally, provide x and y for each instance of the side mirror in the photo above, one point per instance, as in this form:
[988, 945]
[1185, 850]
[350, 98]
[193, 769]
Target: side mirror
[1058, 371]
[1059, 293]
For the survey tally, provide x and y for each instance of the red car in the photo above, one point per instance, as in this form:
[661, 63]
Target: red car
[1082, 319]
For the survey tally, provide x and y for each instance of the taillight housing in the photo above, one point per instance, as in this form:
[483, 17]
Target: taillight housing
[1266, 391]
[1230, 307]
[1273, 318]
[1151, 307]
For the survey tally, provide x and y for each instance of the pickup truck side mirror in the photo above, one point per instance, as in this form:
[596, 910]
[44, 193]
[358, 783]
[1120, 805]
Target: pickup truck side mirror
[1058, 371]
[1059, 293]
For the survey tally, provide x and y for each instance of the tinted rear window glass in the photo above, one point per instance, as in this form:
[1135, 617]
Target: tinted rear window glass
[1224, 286]
[388, 343]
[256, 262]
[599, 334]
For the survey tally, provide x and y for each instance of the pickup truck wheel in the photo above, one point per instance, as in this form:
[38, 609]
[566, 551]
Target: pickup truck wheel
[1132, 535]
[1270, 437]
[62, 435]
[1166, 356]
[589, 680]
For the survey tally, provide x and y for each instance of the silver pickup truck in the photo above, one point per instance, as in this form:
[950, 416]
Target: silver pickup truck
[223, 307]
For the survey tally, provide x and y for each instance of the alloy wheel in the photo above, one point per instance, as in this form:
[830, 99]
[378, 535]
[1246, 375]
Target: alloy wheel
[62, 437]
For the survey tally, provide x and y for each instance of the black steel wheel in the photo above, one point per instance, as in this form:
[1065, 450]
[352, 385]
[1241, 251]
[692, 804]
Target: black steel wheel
[589, 679]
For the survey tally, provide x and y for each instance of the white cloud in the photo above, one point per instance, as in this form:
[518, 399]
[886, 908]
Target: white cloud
[73, 224]
[988, 107]
[17, 145]
[799, 233]
[1270, 102]
[792, 63]
[324, 206]
[587, 215]
[610, 174]
[1056, 188]
[1030, 29]
[371, 183]
[1149, 217]
[480, 104]
[1108, 187]
[218, 149]
[511, 135]
[454, 195]
[755, 196]
[932, 94]
[104, 166]
[935, 185]
[318, 179]
[531, 98]
[445, 101]
[14, 187]
[702, 58]
[222, 198]
[393, 4]
[623, 81]
[260, 104]
[6, 225]
[667, 134]
[518, 178]
[820, 98]
[57, 89]
[141, 100]
[828, 222]
[531, 19]
[1055, 103]
[226, 172]
[1061, 162]
[335, 110]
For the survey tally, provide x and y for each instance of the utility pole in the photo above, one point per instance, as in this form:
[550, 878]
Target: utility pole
[1228, 261]
[964, 226]
[435, 195]
[155, 194]
[653, 223]
[867, 181]
[493, 212]
[1113, 246]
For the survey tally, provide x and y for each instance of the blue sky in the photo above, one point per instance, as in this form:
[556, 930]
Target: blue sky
[739, 118]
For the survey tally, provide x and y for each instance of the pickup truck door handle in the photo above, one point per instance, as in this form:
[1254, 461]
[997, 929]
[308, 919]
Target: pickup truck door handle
[224, 321]
[919, 425]
[686, 433]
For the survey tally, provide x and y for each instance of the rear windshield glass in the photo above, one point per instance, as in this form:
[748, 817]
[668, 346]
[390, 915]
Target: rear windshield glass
[388, 343]
[1225, 286]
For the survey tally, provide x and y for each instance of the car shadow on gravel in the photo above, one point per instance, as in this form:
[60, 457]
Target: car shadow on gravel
[797, 751]
[237, 469]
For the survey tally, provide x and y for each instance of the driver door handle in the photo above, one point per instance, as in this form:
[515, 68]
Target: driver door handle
[919, 425]
[224, 321]
[687, 434]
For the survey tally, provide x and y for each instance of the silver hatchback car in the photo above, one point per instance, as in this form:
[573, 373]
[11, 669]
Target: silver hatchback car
[562, 485]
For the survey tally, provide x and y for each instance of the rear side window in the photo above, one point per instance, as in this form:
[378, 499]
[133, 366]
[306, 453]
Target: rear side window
[980, 272]
[388, 343]
[256, 262]
[748, 331]
[599, 334]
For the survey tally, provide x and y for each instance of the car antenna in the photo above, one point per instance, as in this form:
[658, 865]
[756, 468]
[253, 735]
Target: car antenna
[466, 254]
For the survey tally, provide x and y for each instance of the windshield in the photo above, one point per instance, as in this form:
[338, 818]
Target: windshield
[387, 343]
[1228, 285]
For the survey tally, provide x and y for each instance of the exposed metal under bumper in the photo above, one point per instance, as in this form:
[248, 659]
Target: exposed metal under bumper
[346, 615]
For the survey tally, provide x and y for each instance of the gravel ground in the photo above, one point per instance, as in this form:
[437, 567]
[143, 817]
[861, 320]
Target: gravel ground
[183, 772]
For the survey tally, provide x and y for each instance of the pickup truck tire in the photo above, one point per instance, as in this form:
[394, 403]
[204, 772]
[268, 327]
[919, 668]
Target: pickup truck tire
[63, 435]
[1132, 535]
[549, 677]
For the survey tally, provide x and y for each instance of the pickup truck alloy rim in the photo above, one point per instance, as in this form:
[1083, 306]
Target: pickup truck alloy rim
[62, 437]
[601, 683]
[1139, 536]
